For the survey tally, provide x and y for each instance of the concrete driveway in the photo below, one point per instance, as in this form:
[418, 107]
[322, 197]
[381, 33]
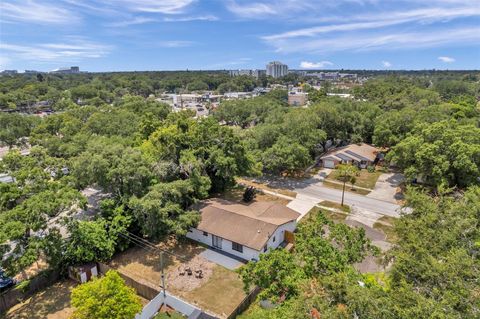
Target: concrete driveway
[221, 259]
[302, 204]
[386, 187]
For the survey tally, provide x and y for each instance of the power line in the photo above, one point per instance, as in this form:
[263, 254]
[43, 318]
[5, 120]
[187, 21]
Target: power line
[149, 244]
[154, 248]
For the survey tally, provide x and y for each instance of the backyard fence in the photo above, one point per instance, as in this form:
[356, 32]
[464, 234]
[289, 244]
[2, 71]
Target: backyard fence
[144, 289]
[247, 301]
[156, 297]
[26, 289]
[173, 302]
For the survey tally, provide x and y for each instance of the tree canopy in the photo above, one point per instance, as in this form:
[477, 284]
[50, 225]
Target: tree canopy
[105, 298]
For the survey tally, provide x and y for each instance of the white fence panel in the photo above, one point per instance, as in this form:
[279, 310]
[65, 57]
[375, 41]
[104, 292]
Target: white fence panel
[174, 302]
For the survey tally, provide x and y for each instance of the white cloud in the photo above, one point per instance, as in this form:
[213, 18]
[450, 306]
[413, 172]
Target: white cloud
[252, 9]
[386, 64]
[314, 65]
[261, 9]
[156, 6]
[377, 40]
[175, 44]
[34, 12]
[133, 21]
[373, 22]
[72, 50]
[446, 59]
[192, 18]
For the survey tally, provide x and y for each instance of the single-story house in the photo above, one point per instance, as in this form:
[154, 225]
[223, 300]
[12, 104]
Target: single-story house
[362, 155]
[243, 230]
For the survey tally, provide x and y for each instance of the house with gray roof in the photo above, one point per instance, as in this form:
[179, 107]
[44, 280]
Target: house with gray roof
[361, 155]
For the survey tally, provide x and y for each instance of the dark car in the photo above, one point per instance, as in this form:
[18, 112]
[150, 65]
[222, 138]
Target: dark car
[5, 281]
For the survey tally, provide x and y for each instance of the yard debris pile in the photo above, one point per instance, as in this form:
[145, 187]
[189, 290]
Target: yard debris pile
[178, 278]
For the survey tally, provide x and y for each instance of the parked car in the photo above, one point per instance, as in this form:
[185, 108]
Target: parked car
[5, 281]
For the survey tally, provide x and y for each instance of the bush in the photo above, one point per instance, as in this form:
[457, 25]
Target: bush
[371, 169]
[249, 194]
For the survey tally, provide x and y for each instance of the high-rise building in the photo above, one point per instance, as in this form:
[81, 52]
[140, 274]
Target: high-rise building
[255, 73]
[72, 69]
[277, 69]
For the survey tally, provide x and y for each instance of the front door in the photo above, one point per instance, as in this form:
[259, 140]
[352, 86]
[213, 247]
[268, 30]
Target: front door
[217, 242]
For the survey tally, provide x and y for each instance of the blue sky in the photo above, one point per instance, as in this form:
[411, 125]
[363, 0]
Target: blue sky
[116, 35]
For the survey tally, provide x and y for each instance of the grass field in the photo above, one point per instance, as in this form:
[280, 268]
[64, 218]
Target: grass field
[221, 294]
[363, 179]
[347, 188]
[330, 204]
[334, 216]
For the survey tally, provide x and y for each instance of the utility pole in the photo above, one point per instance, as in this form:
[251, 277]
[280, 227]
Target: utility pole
[163, 277]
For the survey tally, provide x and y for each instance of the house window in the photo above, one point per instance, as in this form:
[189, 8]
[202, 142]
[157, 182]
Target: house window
[273, 239]
[205, 233]
[237, 247]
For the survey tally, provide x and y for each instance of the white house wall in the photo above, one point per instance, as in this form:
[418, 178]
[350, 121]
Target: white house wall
[248, 253]
[280, 234]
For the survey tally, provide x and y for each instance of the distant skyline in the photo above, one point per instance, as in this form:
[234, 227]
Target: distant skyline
[129, 35]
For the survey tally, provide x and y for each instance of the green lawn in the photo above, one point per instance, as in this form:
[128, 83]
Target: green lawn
[330, 204]
[347, 188]
[364, 179]
[336, 217]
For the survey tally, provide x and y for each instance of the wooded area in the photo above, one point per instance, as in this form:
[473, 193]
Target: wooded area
[107, 131]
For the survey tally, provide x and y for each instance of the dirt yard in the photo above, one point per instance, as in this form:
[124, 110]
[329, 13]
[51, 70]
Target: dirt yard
[219, 290]
[235, 194]
[34, 269]
[51, 303]
[269, 187]
[145, 265]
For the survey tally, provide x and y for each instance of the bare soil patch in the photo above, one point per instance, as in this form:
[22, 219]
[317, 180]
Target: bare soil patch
[178, 280]
[51, 303]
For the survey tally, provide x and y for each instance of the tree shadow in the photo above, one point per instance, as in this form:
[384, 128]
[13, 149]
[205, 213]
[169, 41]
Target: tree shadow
[53, 302]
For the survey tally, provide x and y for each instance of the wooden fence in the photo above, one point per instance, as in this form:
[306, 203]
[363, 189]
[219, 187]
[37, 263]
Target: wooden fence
[247, 301]
[15, 295]
[144, 289]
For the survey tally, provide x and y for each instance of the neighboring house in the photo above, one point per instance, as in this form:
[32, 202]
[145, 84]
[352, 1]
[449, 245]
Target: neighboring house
[297, 98]
[362, 155]
[243, 230]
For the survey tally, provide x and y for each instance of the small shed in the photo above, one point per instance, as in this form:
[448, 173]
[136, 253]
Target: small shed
[83, 273]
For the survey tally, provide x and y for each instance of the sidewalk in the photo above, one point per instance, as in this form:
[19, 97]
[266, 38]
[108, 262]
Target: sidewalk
[347, 185]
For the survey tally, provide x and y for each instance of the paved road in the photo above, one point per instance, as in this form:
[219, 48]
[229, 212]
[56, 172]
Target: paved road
[335, 195]
[314, 188]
